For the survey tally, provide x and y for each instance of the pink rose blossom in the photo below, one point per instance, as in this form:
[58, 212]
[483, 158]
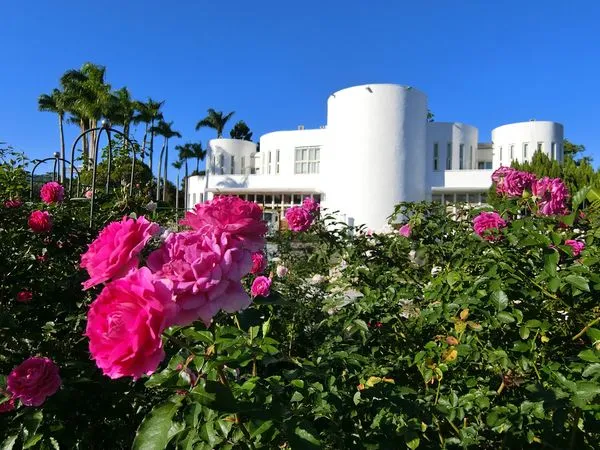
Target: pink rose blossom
[311, 205]
[13, 203]
[240, 218]
[33, 381]
[115, 251]
[206, 271]
[259, 263]
[500, 172]
[552, 196]
[513, 183]
[576, 246]
[52, 192]
[298, 218]
[8, 405]
[261, 286]
[405, 230]
[40, 221]
[487, 225]
[282, 271]
[88, 194]
[24, 296]
[125, 322]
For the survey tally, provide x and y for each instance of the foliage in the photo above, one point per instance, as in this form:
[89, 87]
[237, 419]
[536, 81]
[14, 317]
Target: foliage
[215, 120]
[13, 175]
[241, 131]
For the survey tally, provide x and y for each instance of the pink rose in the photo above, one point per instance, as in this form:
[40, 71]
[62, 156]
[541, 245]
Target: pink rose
[261, 286]
[24, 296]
[311, 206]
[13, 203]
[513, 183]
[125, 322]
[240, 218]
[405, 230]
[52, 192]
[282, 271]
[115, 251]
[8, 405]
[40, 221]
[551, 194]
[33, 381]
[500, 172]
[88, 194]
[576, 246]
[298, 218]
[205, 270]
[487, 225]
[259, 263]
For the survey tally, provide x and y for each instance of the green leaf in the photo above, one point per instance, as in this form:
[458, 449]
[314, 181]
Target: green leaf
[452, 278]
[153, 431]
[266, 327]
[32, 441]
[306, 436]
[297, 397]
[593, 370]
[578, 281]
[215, 395]
[593, 195]
[580, 196]
[550, 262]
[554, 284]
[589, 356]
[9, 442]
[499, 300]
[262, 428]
[412, 441]
[524, 332]
[505, 317]
[594, 335]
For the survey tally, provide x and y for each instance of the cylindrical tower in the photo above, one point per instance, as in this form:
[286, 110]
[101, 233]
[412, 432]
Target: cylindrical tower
[519, 141]
[231, 156]
[376, 155]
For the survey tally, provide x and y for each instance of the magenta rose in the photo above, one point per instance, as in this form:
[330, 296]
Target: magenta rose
[24, 296]
[125, 322]
[259, 263]
[205, 270]
[488, 224]
[311, 205]
[261, 286]
[52, 192]
[298, 218]
[33, 381]
[240, 218]
[513, 183]
[40, 221]
[116, 249]
[551, 195]
[13, 203]
[405, 230]
[8, 405]
[576, 246]
[500, 173]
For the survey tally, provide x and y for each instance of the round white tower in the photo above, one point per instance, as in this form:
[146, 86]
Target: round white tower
[375, 155]
[519, 141]
[231, 156]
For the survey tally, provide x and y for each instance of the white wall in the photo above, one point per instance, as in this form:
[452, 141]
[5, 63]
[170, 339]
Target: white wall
[456, 134]
[286, 142]
[530, 133]
[230, 147]
[375, 152]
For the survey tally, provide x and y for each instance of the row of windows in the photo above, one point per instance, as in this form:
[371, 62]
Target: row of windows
[525, 150]
[307, 160]
[471, 198]
[461, 156]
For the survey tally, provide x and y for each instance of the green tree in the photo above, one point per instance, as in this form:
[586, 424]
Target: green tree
[121, 110]
[241, 131]
[199, 154]
[215, 120]
[148, 113]
[571, 150]
[55, 103]
[165, 130]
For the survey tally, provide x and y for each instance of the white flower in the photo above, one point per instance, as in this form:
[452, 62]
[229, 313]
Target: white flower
[282, 271]
[435, 270]
[151, 206]
[317, 279]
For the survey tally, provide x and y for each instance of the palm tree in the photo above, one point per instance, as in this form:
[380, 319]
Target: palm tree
[198, 152]
[55, 102]
[215, 120]
[178, 165]
[241, 131]
[121, 110]
[163, 129]
[148, 113]
[185, 153]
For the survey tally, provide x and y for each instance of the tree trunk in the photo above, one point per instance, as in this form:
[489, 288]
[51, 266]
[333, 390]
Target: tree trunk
[159, 172]
[62, 148]
[144, 143]
[165, 174]
[185, 182]
[85, 145]
[93, 139]
[126, 133]
[151, 154]
[197, 166]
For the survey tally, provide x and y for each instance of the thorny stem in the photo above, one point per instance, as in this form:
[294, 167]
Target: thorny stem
[238, 420]
[587, 327]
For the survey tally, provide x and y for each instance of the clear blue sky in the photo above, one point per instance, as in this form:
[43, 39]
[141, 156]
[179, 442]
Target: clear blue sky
[275, 62]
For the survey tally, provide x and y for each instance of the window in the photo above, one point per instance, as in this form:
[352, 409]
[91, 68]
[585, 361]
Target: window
[277, 161]
[436, 156]
[243, 164]
[470, 157]
[194, 199]
[461, 156]
[512, 152]
[480, 165]
[488, 165]
[525, 148]
[500, 153]
[307, 159]
[232, 164]
[449, 156]
[269, 164]
[540, 146]
[553, 150]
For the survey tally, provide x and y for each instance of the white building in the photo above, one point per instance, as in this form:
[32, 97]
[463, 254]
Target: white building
[376, 150]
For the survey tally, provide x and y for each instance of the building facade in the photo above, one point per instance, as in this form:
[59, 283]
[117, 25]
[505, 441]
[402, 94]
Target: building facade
[377, 150]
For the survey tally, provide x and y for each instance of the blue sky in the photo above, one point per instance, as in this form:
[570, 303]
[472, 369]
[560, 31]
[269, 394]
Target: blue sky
[276, 62]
